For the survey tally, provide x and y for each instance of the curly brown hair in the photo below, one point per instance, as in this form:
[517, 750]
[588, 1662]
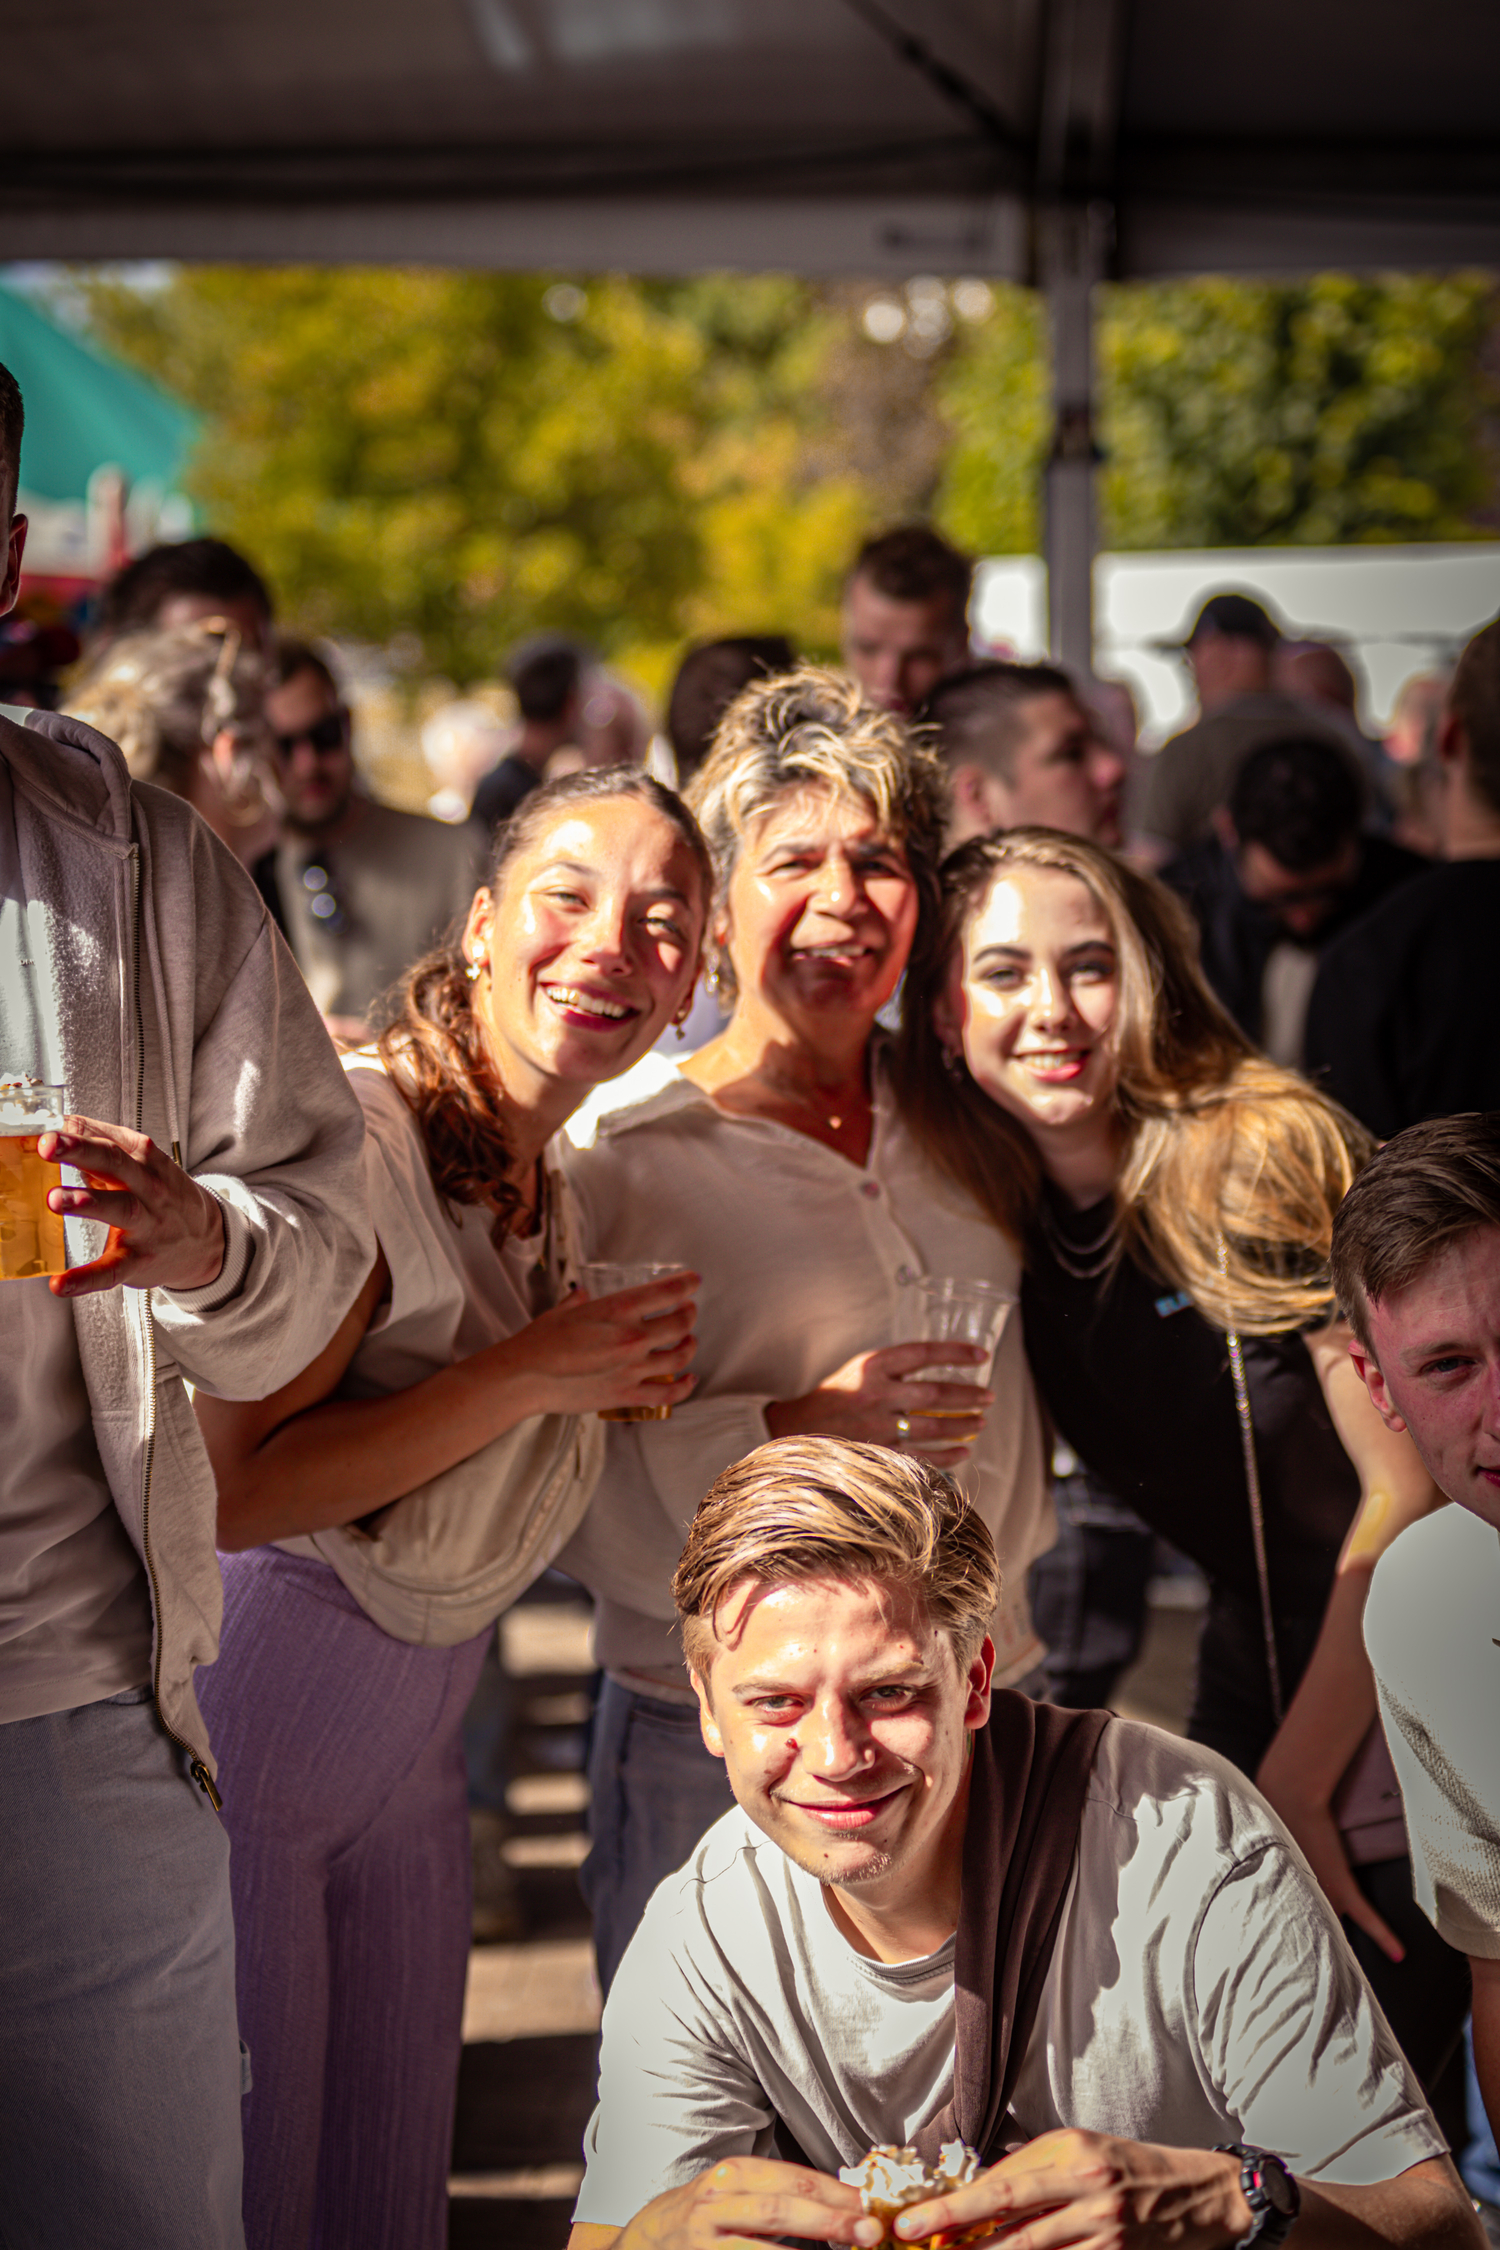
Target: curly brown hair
[433, 1044]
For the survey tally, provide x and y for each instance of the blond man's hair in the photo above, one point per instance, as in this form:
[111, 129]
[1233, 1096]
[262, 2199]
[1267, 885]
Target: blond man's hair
[812, 1507]
[814, 729]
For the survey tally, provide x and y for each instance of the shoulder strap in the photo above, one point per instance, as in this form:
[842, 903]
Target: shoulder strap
[1257, 1510]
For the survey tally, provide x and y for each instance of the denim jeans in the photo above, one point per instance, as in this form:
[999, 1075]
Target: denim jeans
[653, 1792]
[120, 2066]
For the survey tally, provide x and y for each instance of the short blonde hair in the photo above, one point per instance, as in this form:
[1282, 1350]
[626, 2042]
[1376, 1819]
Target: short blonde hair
[813, 729]
[808, 1507]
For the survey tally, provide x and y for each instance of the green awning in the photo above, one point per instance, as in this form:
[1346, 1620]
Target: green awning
[84, 410]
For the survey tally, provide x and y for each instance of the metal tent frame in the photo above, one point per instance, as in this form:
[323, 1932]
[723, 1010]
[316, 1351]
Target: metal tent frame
[1053, 142]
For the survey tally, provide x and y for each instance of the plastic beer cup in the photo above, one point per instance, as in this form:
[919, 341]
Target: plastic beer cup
[604, 1280]
[953, 1310]
[32, 1242]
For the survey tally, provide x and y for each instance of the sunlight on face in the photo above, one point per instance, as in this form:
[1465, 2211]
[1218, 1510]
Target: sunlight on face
[1035, 994]
[821, 908]
[592, 943]
[1437, 1351]
[842, 1717]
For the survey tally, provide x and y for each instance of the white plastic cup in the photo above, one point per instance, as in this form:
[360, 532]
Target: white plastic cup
[604, 1279]
[951, 1309]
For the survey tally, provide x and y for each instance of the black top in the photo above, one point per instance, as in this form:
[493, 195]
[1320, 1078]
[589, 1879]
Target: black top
[502, 789]
[1238, 936]
[1405, 1016]
[1139, 1384]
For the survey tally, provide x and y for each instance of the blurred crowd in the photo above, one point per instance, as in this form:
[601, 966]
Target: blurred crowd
[549, 1235]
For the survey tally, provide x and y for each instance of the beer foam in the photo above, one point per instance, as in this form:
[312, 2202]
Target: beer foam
[889, 2178]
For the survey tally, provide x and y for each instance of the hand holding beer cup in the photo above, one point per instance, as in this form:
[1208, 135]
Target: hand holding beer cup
[622, 1355]
[165, 1231]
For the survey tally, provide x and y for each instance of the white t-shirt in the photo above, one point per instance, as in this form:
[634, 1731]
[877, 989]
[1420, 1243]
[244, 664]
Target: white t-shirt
[1432, 1627]
[1200, 1991]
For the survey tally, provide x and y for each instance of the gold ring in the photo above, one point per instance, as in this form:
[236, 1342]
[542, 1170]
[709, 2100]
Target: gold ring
[903, 1426]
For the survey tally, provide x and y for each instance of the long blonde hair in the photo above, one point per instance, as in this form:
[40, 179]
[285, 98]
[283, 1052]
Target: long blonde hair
[1231, 1168]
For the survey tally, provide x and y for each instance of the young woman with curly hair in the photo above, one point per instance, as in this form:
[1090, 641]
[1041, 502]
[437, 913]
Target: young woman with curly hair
[380, 1510]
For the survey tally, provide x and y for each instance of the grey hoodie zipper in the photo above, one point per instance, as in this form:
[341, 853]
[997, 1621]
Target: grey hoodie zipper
[196, 1766]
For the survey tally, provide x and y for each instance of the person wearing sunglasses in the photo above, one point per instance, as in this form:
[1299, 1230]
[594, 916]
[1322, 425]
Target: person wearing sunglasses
[360, 890]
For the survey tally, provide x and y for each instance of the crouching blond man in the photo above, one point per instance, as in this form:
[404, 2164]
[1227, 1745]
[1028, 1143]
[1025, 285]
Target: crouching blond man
[939, 1913]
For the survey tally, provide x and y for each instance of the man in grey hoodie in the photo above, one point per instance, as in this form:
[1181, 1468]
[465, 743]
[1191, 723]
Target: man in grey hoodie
[223, 1151]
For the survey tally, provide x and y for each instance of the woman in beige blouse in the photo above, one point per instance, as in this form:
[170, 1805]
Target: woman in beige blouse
[775, 1166]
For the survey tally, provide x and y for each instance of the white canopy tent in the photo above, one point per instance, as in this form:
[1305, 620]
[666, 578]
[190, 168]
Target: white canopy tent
[1048, 141]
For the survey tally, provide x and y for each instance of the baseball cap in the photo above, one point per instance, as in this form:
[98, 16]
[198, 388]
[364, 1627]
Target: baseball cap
[1233, 617]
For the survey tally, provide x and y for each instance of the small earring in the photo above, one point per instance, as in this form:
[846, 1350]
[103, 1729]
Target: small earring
[681, 1034]
[711, 976]
[475, 969]
[953, 1062]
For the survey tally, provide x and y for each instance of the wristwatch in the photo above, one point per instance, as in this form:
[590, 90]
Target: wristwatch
[1272, 2194]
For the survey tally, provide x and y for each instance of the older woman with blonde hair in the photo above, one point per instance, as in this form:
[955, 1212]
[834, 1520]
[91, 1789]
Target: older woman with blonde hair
[1064, 1062]
[775, 1165]
[187, 708]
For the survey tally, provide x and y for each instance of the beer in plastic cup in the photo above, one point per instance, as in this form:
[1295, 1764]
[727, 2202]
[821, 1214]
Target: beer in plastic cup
[32, 1243]
[952, 1310]
[602, 1279]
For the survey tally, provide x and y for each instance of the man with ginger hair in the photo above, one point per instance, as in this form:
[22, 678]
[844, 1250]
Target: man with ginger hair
[1416, 1262]
[939, 1913]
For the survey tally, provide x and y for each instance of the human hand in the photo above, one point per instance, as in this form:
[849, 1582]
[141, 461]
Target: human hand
[1087, 2191]
[872, 1395]
[750, 2199]
[628, 1349]
[165, 1231]
[1317, 1836]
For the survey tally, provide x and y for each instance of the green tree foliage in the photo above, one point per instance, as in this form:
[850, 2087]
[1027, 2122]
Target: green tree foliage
[995, 391]
[471, 457]
[466, 458]
[1232, 413]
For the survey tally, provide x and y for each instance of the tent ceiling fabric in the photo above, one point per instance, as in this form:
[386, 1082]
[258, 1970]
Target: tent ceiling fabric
[826, 135]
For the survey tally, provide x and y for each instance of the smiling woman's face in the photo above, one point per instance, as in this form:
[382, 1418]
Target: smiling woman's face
[1034, 995]
[821, 909]
[591, 942]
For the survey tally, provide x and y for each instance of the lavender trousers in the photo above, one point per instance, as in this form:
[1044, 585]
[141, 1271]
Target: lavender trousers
[341, 1765]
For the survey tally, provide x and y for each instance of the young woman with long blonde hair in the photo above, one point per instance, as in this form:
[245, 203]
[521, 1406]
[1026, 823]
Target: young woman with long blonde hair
[1173, 1193]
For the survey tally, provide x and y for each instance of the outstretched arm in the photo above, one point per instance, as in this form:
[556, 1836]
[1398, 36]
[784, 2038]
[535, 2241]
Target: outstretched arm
[1334, 1706]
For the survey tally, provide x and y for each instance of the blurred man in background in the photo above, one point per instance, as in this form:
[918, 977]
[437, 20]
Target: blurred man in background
[906, 616]
[360, 891]
[1286, 869]
[547, 676]
[1404, 1022]
[1021, 749]
[709, 678]
[182, 582]
[1230, 653]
